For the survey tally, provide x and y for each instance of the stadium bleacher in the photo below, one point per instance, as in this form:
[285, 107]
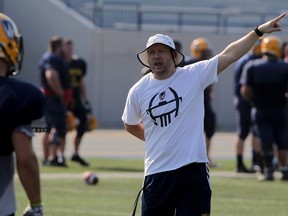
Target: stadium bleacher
[221, 17]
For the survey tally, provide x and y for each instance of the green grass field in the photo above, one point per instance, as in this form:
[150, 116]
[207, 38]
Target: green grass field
[67, 195]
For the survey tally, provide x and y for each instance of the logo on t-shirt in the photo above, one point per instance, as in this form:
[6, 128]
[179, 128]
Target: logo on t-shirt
[164, 107]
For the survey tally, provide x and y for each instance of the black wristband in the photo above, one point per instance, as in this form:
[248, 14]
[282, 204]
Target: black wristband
[258, 32]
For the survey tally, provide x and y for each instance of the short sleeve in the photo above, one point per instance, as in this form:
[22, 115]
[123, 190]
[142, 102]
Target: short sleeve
[206, 71]
[31, 104]
[131, 114]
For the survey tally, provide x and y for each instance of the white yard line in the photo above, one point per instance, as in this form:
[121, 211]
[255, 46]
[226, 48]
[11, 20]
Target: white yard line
[136, 175]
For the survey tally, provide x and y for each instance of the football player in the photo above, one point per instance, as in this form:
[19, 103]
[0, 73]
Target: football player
[79, 102]
[55, 84]
[243, 115]
[20, 104]
[265, 83]
[200, 49]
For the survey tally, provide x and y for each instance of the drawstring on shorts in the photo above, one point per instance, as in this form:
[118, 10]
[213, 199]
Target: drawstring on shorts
[136, 202]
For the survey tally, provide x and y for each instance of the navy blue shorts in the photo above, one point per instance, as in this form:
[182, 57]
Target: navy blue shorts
[271, 126]
[182, 192]
[55, 116]
[244, 120]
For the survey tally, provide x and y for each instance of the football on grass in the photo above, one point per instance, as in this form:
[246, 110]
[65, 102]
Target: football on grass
[90, 178]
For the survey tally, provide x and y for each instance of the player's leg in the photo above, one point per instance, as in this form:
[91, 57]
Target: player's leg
[48, 148]
[265, 131]
[256, 145]
[80, 112]
[256, 153]
[209, 129]
[194, 191]
[243, 120]
[45, 142]
[46, 139]
[281, 142]
[60, 136]
[57, 115]
[56, 157]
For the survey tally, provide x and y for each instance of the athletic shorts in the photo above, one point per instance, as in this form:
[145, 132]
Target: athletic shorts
[271, 126]
[244, 121]
[182, 192]
[55, 116]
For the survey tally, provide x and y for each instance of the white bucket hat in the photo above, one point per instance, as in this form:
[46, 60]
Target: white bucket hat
[162, 39]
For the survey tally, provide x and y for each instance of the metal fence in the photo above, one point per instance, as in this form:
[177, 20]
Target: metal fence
[137, 17]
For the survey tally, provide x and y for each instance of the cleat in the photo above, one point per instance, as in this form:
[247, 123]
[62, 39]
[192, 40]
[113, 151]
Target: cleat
[78, 159]
[267, 176]
[57, 162]
[33, 211]
[243, 169]
[62, 161]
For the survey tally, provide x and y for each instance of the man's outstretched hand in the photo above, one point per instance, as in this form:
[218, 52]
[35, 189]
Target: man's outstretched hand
[272, 25]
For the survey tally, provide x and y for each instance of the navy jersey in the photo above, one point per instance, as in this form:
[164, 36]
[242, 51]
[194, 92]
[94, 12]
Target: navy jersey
[77, 70]
[268, 80]
[20, 104]
[238, 71]
[50, 60]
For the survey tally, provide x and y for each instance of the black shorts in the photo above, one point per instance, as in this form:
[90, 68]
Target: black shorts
[182, 192]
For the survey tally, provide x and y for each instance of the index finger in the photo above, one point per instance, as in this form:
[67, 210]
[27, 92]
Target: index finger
[279, 17]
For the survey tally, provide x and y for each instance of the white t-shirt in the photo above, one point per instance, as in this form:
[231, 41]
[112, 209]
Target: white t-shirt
[172, 112]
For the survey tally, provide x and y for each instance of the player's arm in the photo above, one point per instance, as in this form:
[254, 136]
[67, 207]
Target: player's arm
[237, 49]
[53, 80]
[83, 90]
[136, 130]
[246, 91]
[27, 164]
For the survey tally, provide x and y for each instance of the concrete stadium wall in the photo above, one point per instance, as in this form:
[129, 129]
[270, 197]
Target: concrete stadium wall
[111, 56]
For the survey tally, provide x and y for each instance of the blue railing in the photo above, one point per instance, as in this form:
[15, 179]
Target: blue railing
[137, 17]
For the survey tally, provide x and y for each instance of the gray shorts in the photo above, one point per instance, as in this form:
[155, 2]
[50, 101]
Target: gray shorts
[7, 193]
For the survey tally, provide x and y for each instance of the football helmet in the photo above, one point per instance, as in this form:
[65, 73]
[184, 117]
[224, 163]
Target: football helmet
[256, 49]
[11, 45]
[271, 45]
[200, 48]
